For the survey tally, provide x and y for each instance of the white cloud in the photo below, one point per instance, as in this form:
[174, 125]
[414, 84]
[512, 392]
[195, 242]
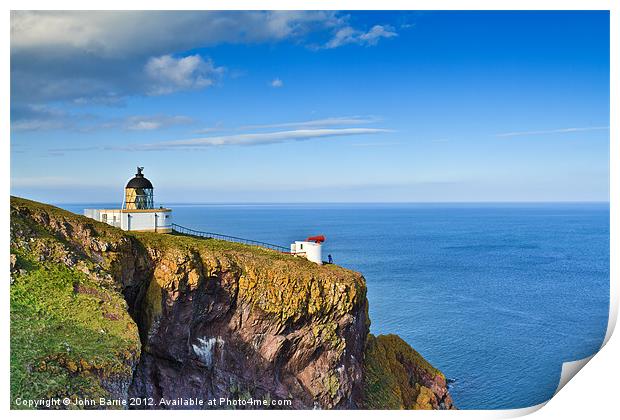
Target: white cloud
[376, 33]
[108, 99]
[324, 122]
[317, 123]
[555, 131]
[168, 74]
[144, 125]
[346, 35]
[255, 139]
[155, 122]
[277, 83]
[125, 33]
[349, 35]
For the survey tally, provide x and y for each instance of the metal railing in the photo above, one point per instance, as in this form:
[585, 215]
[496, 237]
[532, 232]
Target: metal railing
[210, 235]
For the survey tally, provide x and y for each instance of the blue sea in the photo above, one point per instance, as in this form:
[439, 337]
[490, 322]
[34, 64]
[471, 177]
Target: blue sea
[497, 296]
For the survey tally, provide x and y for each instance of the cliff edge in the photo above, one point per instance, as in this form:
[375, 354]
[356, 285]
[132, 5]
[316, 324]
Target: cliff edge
[166, 319]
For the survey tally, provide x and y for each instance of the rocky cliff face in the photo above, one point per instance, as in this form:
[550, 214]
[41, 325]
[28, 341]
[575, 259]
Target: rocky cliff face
[217, 321]
[197, 318]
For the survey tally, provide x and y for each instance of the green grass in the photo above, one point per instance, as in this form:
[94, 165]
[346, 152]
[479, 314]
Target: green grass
[67, 333]
[99, 229]
[187, 242]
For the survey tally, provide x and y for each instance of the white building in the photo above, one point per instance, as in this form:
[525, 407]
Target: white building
[311, 248]
[138, 212]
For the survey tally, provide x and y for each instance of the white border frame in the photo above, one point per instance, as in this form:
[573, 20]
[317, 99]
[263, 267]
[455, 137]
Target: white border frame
[592, 396]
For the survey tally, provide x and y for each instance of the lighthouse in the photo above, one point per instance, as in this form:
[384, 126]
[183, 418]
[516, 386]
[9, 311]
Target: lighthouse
[138, 212]
[311, 249]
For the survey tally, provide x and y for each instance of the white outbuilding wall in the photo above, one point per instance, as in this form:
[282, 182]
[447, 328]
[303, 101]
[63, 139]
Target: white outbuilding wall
[313, 251]
[149, 221]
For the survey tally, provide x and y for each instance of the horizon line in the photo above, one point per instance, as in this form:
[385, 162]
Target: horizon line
[354, 202]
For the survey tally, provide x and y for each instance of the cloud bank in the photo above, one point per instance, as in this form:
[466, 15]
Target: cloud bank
[115, 54]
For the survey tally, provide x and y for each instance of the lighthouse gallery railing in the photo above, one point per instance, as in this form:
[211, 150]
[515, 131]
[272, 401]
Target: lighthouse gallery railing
[210, 235]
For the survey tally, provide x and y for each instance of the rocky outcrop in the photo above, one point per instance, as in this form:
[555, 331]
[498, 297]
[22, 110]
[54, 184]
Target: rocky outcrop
[215, 319]
[398, 377]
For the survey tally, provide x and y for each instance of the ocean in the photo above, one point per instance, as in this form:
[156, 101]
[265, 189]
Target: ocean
[497, 296]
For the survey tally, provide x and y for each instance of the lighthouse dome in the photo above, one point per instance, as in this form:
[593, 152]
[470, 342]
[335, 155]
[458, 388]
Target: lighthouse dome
[139, 181]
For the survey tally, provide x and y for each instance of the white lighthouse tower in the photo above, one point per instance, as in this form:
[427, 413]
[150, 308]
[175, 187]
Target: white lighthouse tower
[138, 212]
[311, 249]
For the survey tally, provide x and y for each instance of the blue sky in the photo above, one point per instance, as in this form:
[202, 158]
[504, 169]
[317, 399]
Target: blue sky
[311, 106]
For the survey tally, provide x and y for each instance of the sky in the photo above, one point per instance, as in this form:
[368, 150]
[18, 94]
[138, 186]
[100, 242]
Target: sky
[311, 106]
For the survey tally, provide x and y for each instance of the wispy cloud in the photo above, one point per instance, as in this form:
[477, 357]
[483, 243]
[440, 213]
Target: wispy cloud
[555, 131]
[277, 83]
[349, 35]
[138, 123]
[323, 122]
[304, 130]
[256, 139]
[44, 118]
[316, 123]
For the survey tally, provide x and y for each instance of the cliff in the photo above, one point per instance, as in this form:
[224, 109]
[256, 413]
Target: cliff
[98, 312]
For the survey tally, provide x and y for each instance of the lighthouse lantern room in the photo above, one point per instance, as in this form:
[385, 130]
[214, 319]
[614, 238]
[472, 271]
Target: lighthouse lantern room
[138, 212]
[139, 192]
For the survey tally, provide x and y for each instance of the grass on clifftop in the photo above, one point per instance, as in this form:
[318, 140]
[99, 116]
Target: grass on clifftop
[102, 230]
[67, 333]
